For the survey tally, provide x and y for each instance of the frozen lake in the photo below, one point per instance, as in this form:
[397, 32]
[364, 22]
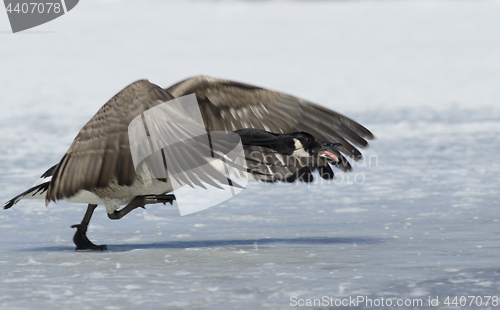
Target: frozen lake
[417, 220]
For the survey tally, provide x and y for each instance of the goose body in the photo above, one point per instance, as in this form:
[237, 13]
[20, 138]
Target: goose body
[98, 167]
[299, 145]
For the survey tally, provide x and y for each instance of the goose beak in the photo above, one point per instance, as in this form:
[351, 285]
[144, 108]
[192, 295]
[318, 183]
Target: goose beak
[328, 145]
[324, 151]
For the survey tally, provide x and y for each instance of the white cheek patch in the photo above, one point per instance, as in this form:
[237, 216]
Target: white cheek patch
[299, 150]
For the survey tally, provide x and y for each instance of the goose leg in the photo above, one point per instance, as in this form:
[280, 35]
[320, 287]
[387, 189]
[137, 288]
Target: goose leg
[80, 238]
[140, 202]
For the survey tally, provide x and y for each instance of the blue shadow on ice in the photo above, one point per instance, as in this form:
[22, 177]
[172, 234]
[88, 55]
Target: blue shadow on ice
[225, 243]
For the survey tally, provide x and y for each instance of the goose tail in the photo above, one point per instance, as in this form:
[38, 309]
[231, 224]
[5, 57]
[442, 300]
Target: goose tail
[37, 191]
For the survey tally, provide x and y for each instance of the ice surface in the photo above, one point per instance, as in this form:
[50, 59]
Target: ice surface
[417, 218]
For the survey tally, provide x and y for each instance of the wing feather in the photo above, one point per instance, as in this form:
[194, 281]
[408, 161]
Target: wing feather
[100, 152]
[228, 105]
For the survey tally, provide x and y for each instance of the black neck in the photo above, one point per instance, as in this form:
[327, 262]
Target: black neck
[281, 143]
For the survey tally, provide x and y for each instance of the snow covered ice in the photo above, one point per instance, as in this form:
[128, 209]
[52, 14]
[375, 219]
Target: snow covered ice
[417, 219]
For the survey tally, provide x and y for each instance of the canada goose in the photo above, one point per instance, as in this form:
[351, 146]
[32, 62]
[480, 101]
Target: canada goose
[98, 167]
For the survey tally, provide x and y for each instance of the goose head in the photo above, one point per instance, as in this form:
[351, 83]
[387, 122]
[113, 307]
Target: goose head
[306, 145]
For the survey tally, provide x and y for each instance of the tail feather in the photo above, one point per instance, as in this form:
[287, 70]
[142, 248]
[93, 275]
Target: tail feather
[38, 189]
[49, 172]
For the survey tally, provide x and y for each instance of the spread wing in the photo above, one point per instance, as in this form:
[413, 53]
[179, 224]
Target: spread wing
[100, 152]
[227, 106]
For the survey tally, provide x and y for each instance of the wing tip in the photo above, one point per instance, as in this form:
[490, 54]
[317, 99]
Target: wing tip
[369, 135]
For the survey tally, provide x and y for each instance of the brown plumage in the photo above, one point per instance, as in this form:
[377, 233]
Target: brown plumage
[100, 154]
[227, 105]
[101, 150]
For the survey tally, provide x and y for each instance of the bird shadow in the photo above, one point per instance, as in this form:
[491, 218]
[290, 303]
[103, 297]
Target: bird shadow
[223, 243]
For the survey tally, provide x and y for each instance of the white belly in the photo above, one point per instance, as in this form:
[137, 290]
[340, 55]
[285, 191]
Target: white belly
[114, 195]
